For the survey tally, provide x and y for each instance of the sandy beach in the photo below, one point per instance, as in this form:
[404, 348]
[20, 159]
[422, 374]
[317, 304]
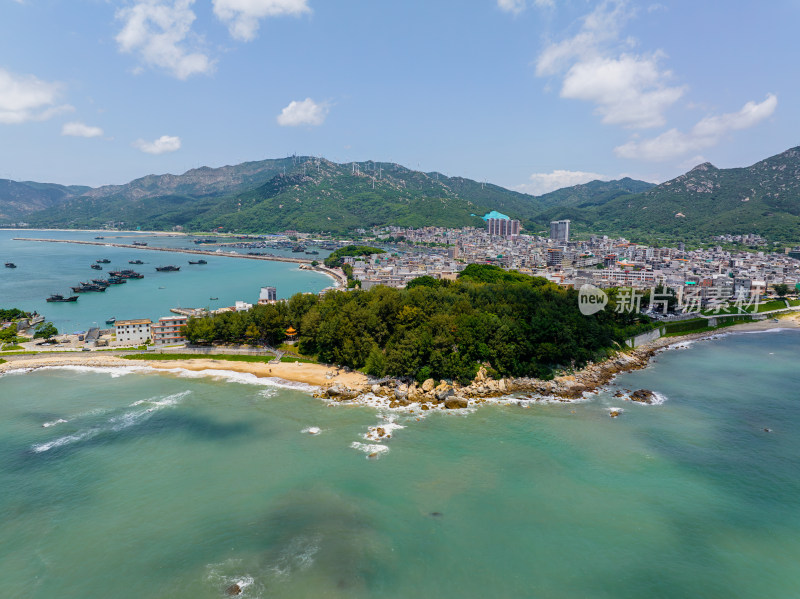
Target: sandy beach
[318, 375]
[312, 374]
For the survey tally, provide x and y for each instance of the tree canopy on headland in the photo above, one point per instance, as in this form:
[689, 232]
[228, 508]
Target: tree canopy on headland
[516, 324]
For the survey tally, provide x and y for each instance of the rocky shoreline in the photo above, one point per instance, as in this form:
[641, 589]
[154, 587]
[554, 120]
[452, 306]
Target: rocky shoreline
[565, 388]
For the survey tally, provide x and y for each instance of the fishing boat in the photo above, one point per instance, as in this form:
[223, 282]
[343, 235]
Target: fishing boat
[213, 298]
[99, 237]
[101, 282]
[141, 243]
[197, 262]
[60, 298]
[97, 267]
[168, 268]
[312, 252]
[85, 288]
[298, 248]
[103, 261]
[111, 320]
[125, 274]
[116, 281]
[135, 262]
[10, 265]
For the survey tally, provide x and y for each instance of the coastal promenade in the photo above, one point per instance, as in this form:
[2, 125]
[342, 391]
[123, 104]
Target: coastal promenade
[339, 277]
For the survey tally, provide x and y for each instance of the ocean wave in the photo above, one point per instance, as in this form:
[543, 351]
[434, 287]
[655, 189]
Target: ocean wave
[54, 422]
[775, 330]
[113, 371]
[61, 441]
[312, 430]
[681, 345]
[373, 450]
[658, 398]
[383, 431]
[298, 556]
[219, 577]
[116, 423]
[244, 378]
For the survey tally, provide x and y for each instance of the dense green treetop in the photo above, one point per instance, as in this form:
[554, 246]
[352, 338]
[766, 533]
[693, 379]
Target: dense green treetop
[335, 259]
[7, 314]
[517, 325]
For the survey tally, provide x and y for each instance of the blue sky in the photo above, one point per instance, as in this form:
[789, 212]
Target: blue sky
[529, 94]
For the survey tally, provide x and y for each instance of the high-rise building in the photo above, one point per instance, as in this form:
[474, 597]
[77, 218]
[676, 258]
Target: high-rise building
[267, 295]
[554, 257]
[559, 230]
[504, 227]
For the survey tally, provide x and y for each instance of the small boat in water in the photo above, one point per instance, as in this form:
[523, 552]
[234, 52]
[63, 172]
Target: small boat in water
[141, 243]
[103, 261]
[111, 320]
[213, 298]
[97, 267]
[10, 265]
[60, 298]
[125, 274]
[135, 262]
[168, 268]
[198, 262]
[85, 288]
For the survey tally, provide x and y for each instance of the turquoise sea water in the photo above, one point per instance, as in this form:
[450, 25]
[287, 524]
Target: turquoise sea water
[47, 268]
[169, 485]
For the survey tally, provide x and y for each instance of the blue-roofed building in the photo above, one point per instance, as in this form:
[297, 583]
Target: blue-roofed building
[494, 214]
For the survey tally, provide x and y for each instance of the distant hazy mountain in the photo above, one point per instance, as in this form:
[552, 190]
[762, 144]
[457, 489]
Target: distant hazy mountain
[18, 200]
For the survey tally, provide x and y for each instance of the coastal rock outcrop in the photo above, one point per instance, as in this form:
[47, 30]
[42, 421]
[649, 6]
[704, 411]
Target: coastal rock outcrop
[454, 403]
[339, 392]
[643, 396]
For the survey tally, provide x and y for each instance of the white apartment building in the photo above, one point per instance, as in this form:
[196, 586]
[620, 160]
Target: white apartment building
[169, 331]
[133, 331]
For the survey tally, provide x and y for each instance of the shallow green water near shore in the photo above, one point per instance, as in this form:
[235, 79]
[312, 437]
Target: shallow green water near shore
[47, 268]
[160, 485]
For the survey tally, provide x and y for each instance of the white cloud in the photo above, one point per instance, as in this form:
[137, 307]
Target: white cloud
[627, 89]
[305, 112]
[243, 16]
[165, 143]
[160, 32]
[78, 129]
[512, 6]
[27, 98]
[545, 182]
[706, 133]
[517, 6]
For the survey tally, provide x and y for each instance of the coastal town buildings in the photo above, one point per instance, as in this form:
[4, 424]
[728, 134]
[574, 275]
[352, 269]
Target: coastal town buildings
[267, 295]
[133, 331]
[559, 230]
[169, 330]
[709, 273]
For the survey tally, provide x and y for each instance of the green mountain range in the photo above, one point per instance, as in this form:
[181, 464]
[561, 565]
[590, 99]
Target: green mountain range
[763, 198]
[314, 194]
